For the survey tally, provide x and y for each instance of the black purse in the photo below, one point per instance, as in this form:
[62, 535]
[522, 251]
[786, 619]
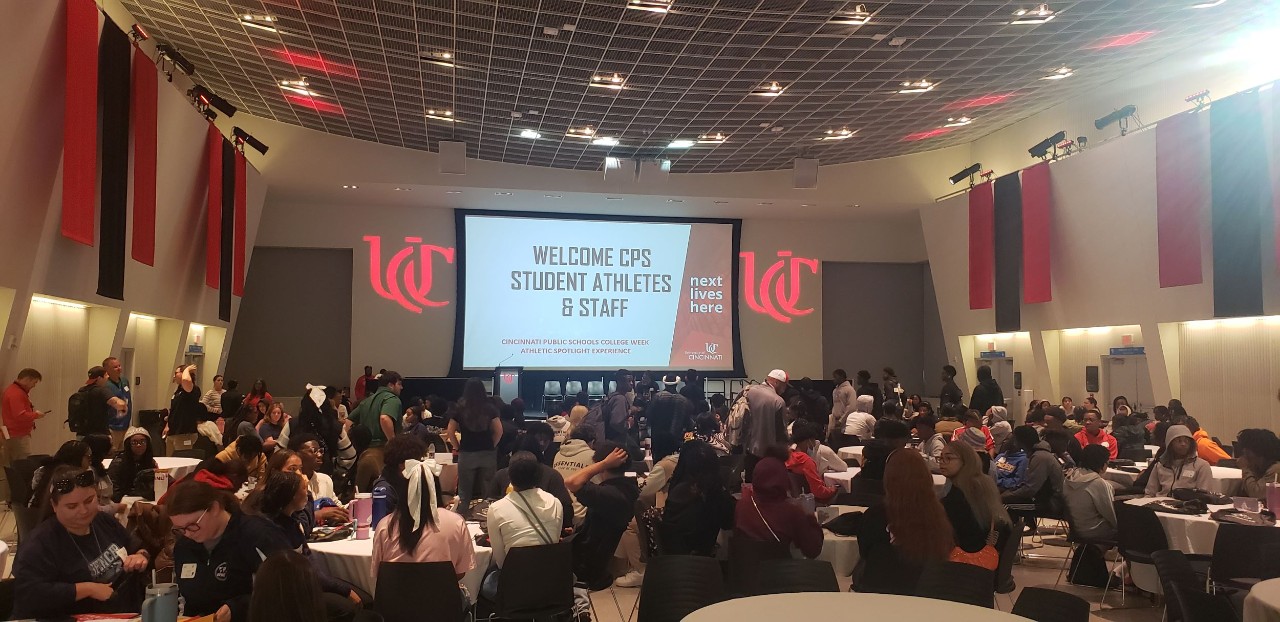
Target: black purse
[1197, 494]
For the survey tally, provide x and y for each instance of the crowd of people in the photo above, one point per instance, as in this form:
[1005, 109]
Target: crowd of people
[750, 466]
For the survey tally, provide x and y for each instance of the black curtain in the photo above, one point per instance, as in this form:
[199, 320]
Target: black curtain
[228, 229]
[1008, 243]
[114, 67]
[1241, 191]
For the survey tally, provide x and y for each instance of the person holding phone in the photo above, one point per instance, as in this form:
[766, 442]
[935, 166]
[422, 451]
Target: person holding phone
[19, 416]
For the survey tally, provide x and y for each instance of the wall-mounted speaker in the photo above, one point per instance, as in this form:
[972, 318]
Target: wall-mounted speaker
[453, 157]
[1091, 379]
[805, 173]
[1017, 380]
[655, 171]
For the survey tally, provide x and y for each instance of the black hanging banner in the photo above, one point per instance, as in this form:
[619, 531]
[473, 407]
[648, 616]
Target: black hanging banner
[114, 66]
[1241, 187]
[228, 230]
[1008, 247]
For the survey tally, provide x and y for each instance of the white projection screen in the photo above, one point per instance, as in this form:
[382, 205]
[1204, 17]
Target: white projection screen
[582, 292]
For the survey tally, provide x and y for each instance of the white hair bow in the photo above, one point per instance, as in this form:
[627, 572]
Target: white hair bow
[316, 392]
[419, 473]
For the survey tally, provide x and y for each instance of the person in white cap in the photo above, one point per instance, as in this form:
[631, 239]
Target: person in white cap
[766, 425]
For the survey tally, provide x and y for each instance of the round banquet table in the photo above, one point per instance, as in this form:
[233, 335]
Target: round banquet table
[841, 605]
[843, 480]
[851, 453]
[351, 560]
[1188, 533]
[1226, 480]
[178, 468]
[1263, 602]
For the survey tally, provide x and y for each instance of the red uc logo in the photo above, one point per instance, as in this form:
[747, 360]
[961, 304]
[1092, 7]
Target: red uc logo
[777, 292]
[407, 279]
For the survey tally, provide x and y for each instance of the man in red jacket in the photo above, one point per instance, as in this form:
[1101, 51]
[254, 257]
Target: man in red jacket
[19, 415]
[1093, 434]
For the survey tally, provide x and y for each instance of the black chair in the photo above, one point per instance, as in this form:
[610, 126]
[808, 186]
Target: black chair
[1078, 541]
[6, 598]
[677, 585]
[1197, 606]
[1228, 462]
[1270, 561]
[1139, 534]
[189, 453]
[1175, 572]
[1008, 555]
[403, 589]
[1136, 455]
[745, 557]
[19, 475]
[536, 582]
[1046, 605]
[785, 576]
[1236, 563]
[26, 518]
[957, 582]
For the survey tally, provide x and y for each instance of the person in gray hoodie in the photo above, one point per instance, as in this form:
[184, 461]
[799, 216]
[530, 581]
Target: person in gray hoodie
[1179, 466]
[1043, 481]
[1089, 497]
[997, 421]
[574, 455]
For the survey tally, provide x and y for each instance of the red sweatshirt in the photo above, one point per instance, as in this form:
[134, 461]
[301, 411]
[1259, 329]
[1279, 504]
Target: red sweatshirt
[18, 413]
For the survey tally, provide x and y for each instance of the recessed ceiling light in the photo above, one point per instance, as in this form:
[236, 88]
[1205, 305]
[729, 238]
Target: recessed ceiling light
[1060, 73]
[605, 141]
[584, 133]
[806, 205]
[765, 203]
[653, 6]
[261, 22]
[442, 58]
[503, 194]
[453, 192]
[919, 86]
[897, 41]
[402, 189]
[613, 198]
[857, 17]
[839, 134]
[674, 201]
[299, 86]
[349, 187]
[721, 202]
[772, 89]
[681, 143]
[552, 196]
[1031, 17]
[712, 139]
[530, 134]
[606, 81]
[440, 115]
[958, 121]
[1207, 5]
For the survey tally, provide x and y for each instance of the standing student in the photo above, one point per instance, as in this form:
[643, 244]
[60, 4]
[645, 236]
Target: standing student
[364, 385]
[120, 419]
[866, 387]
[951, 393]
[99, 405]
[19, 415]
[842, 398]
[185, 411]
[258, 393]
[766, 425]
[477, 418]
[212, 398]
[987, 393]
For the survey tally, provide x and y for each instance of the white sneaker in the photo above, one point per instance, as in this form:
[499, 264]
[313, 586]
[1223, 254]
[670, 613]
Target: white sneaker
[631, 579]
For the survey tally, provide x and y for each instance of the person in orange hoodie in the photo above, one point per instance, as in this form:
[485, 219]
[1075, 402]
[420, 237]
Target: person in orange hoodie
[804, 434]
[1093, 434]
[1209, 450]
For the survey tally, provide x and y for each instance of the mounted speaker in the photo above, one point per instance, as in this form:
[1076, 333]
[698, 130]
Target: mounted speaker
[655, 171]
[453, 157]
[1017, 380]
[1091, 379]
[805, 173]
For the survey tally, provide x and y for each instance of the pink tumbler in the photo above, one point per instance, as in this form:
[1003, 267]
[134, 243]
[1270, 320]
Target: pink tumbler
[362, 512]
[1273, 496]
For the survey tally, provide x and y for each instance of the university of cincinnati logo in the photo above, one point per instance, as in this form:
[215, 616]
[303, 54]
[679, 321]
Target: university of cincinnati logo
[408, 278]
[777, 291]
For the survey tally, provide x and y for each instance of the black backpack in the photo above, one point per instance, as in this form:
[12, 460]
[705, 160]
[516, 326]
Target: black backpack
[78, 409]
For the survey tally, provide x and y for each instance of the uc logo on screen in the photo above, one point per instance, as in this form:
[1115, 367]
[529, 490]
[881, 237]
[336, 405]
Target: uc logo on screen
[408, 276]
[777, 292]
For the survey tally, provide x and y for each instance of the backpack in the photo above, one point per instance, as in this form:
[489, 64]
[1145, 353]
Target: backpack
[735, 428]
[78, 409]
[595, 418]
[1011, 469]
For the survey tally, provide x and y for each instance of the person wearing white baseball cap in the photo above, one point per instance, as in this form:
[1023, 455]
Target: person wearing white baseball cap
[765, 424]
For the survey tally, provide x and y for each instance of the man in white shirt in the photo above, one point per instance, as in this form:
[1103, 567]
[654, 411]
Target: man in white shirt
[527, 516]
[860, 423]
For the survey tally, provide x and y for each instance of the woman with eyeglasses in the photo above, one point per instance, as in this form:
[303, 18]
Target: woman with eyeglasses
[135, 458]
[218, 550]
[83, 561]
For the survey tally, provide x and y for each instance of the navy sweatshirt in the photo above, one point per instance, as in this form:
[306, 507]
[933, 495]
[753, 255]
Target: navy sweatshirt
[209, 579]
[51, 562]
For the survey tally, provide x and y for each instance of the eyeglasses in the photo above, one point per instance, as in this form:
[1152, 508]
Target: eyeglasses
[84, 479]
[948, 458]
[140, 442]
[192, 528]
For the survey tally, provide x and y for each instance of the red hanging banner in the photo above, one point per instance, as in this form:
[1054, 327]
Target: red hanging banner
[237, 253]
[213, 226]
[982, 256]
[144, 158]
[1037, 218]
[1182, 196]
[80, 122]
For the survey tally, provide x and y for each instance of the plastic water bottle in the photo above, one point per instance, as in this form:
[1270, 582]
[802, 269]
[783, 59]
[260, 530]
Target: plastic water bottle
[431, 451]
[379, 509]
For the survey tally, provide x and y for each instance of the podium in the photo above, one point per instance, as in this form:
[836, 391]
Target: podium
[506, 382]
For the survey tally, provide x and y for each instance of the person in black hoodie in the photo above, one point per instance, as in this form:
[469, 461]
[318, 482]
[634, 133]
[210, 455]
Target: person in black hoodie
[610, 508]
[218, 550]
[987, 393]
[81, 561]
[866, 387]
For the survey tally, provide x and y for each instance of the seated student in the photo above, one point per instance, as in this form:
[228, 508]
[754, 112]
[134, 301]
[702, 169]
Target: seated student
[860, 423]
[698, 506]
[1128, 431]
[1208, 448]
[610, 508]
[997, 420]
[931, 441]
[218, 550]
[805, 436]
[1055, 421]
[1094, 434]
[1179, 466]
[1041, 482]
[828, 460]
[867, 487]
[82, 561]
[249, 450]
[386, 489]
[975, 434]
[135, 457]
[549, 480]
[766, 512]
[707, 429]
[949, 419]
[420, 531]
[1089, 497]
[525, 516]
[1259, 460]
[972, 501]
[575, 455]
[309, 450]
[910, 528]
[286, 590]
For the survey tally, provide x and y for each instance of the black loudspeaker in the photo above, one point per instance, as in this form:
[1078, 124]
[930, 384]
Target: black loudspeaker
[1017, 380]
[1091, 379]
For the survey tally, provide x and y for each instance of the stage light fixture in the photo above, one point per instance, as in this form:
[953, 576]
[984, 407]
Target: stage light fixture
[772, 89]
[1120, 117]
[681, 143]
[136, 31]
[919, 86]
[442, 58]
[614, 82]
[167, 53]
[207, 98]
[712, 139]
[582, 133]
[987, 174]
[1061, 73]
[958, 121]
[244, 138]
[857, 17]
[968, 173]
[1032, 17]
[261, 22]
[530, 134]
[299, 86]
[1041, 149]
[1201, 100]
[210, 114]
[840, 134]
[440, 115]
[605, 141]
[1082, 141]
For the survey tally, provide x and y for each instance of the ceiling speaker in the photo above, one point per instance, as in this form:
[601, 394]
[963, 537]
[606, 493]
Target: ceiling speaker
[453, 157]
[805, 172]
[655, 171]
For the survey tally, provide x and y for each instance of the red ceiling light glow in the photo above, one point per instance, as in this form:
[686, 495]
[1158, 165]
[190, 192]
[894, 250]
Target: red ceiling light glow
[978, 102]
[318, 63]
[314, 104]
[937, 131]
[1120, 41]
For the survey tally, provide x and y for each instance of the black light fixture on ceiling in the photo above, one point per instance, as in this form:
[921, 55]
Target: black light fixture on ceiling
[1041, 149]
[1120, 116]
[968, 172]
[167, 52]
[206, 97]
[244, 138]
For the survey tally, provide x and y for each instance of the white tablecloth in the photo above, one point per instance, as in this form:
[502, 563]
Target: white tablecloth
[851, 453]
[1226, 480]
[1187, 533]
[351, 561]
[178, 468]
[4, 557]
[1263, 602]
[845, 606]
[840, 551]
[842, 480]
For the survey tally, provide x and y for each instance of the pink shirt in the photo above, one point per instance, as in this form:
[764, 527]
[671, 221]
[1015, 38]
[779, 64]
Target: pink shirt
[449, 541]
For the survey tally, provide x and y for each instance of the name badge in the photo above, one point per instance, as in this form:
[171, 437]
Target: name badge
[126, 389]
[188, 571]
[1106, 443]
